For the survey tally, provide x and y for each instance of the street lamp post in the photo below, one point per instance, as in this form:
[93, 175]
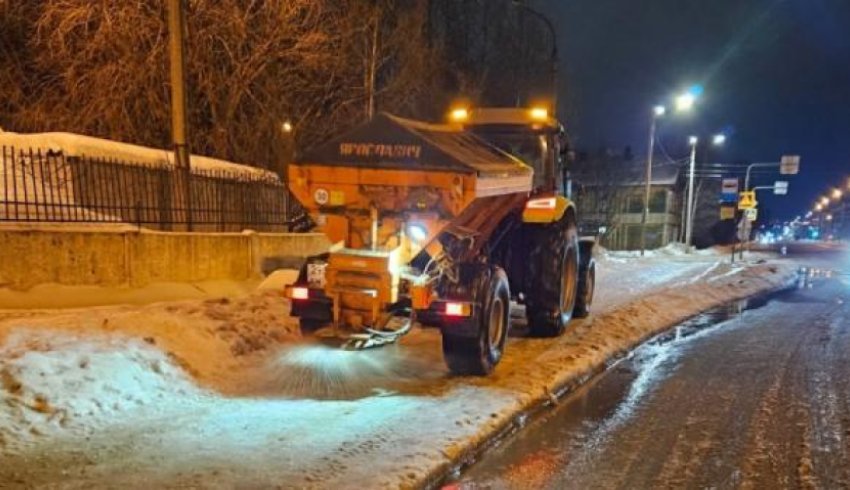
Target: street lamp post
[656, 113]
[553, 56]
[690, 226]
[179, 119]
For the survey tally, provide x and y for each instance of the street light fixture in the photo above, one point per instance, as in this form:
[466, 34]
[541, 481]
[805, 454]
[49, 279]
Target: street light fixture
[719, 139]
[818, 207]
[685, 102]
[836, 194]
[824, 201]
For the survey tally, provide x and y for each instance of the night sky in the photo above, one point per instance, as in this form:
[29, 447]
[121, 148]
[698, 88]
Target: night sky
[776, 75]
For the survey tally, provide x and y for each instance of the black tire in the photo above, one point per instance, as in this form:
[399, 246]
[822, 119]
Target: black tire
[552, 279]
[586, 288]
[477, 351]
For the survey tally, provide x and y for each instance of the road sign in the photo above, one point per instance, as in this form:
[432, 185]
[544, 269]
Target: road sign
[727, 212]
[780, 188]
[747, 200]
[752, 214]
[790, 165]
[729, 190]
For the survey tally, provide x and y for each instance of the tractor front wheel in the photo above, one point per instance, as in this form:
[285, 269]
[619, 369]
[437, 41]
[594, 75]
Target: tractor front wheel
[553, 278]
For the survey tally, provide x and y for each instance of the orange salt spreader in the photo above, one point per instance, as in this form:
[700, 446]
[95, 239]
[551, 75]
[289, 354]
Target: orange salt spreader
[433, 223]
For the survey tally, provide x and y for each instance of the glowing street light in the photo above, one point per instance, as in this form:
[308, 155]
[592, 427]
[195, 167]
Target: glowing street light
[824, 201]
[836, 194]
[719, 139]
[685, 102]
[818, 207]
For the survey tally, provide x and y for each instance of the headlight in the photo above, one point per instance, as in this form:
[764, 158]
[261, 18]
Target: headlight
[417, 233]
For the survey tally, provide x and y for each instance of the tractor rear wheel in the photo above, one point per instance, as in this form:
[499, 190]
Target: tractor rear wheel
[476, 348]
[553, 278]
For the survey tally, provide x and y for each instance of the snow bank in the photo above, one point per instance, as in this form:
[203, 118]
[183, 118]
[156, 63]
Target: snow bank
[52, 381]
[69, 373]
[77, 145]
[673, 249]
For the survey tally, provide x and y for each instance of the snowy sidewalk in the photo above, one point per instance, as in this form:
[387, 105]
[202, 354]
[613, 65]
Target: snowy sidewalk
[205, 393]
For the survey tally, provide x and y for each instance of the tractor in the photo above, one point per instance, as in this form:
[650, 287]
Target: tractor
[451, 225]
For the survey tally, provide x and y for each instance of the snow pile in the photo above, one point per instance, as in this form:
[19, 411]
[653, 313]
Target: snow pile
[673, 249]
[52, 381]
[74, 371]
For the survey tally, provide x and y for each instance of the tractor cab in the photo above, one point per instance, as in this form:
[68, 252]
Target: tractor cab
[530, 134]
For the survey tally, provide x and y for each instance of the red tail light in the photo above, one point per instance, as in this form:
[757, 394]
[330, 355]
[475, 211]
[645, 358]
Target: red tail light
[299, 293]
[458, 309]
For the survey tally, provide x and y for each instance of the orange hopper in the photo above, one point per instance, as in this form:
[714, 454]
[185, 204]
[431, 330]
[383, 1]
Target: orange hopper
[386, 191]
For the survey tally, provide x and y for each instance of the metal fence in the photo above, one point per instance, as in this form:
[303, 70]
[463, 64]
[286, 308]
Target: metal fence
[48, 187]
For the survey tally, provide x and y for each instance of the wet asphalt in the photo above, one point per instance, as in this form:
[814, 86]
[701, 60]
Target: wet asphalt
[752, 395]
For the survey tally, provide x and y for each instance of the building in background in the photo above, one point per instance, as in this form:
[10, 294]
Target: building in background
[611, 199]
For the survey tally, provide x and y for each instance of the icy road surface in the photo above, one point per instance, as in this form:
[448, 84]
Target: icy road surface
[759, 399]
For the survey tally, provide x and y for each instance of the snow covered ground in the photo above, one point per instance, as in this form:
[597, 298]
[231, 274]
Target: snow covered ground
[224, 393]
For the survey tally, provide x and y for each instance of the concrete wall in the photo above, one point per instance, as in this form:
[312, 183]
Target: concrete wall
[139, 258]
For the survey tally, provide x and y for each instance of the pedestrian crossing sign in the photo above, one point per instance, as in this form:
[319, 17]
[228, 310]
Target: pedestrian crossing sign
[747, 200]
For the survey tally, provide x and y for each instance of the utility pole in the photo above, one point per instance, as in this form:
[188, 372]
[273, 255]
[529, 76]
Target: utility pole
[690, 227]
[373, 67]
[179, 120]
[656, 113]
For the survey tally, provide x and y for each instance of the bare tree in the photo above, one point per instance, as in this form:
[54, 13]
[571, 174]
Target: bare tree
[101, 68]
[607, 184]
